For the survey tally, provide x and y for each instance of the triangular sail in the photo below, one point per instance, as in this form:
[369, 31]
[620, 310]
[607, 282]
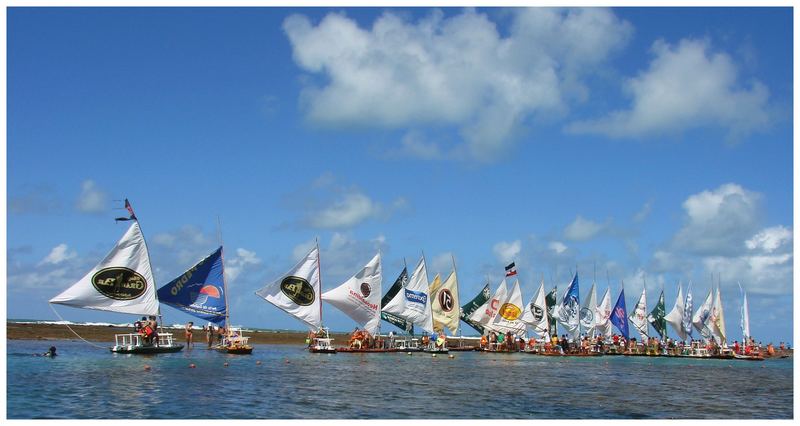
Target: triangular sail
[657, 318]
[444, 303]
[701, 316]
[569, 310]
[639, 316]
[535, 314]
[200, 291]
[587, 315]
[688, 312]
[745, 323]
[394, 290]
[716, 320]
[471, 306]
[297, 291]
[359, 297]
[675, 317]
[551, 300]
[122, 282]
[507, 319]
[413, 303]
[619, 315]
[603, 312]
[486, 312]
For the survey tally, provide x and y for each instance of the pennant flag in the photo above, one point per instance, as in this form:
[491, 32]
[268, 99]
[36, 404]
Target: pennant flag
[603, 316]
[471, 306]
[639, 316]
[297, 291]
[445, 307]
[359, 296]
[130, 210]
[675, 317]
[551, 301]
[619, 315]
[200, 291]
[569, 310]
[688, 313]
[511, 270]
[399, 284]
[122, 282]
[535, 314]
[657, 317]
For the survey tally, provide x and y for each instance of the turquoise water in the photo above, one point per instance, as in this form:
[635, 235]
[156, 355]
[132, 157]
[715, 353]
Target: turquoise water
[86, 382]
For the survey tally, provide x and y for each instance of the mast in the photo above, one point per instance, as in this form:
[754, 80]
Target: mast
[458, 305]
[149, 263]
[224, 281]
[319, 274]
[428, 288]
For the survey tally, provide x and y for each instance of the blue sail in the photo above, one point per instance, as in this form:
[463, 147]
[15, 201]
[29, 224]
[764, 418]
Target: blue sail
[619, 315]
[199, 291]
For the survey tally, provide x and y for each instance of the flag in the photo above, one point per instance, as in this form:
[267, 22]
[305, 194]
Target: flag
[656, 317]
[393, 319]
[359, 296]
[619, 315]
[468, 309]
[569, 310]
[200, 291]
[297, 291]
[130, 210]
[511, 270]
[551, 301]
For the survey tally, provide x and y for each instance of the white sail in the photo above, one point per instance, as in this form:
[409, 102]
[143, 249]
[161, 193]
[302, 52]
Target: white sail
[588, 311]
[675, 316]
[360, 296]
[603, 312]
[716, 320]
[569, 309]
[639, 316]
[122, 282]
[413, 303]
[507, 319]
[701, 316]
[444, 303]
[535, 314]
[297, 291]
[488, 310]
[745, 323]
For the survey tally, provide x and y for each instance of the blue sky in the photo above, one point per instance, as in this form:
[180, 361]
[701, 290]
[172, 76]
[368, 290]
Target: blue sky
[654, 143]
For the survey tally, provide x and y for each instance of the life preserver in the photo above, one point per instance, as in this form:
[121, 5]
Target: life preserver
[147, 330]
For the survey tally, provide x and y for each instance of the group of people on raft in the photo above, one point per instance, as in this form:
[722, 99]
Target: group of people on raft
[147, 328]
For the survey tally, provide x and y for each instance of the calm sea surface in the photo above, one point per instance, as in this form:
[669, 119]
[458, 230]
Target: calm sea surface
[86, 382]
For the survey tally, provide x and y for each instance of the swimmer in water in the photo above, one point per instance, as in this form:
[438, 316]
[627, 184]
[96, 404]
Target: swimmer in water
[50, 353]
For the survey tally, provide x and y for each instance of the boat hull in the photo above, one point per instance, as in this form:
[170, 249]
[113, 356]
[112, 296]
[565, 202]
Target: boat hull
[322, 350]
[239, 350]
[364, 351]
[146, 350]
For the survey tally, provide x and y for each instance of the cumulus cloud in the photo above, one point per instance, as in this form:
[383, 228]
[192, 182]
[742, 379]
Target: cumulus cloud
[59, 254]
[351, 209]
[457, 71]
[770, 239]
[92, 199]
[507, 251]
[241, 260]
[582, 229]
[557, 247]
[687, 85]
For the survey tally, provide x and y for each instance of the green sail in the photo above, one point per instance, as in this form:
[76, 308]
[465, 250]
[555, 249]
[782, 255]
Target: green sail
[392, 318]
[657, 317]
[474, 304]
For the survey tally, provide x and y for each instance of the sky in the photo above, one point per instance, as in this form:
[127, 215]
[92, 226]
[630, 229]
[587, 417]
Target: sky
[644, 146]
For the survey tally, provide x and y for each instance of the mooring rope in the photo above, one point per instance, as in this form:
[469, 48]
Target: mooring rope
[70, 328]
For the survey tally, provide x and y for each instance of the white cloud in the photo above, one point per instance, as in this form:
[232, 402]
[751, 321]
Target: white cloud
[441, 264]
[350, 210]
[343, 256]
[507, 251]
[770, 239]
[92, 198]
[719, 221]
[457, 71]
[58, 254]
[644, 212]
[582, 229]
[557, 246]
[686, 86]
[237, 264]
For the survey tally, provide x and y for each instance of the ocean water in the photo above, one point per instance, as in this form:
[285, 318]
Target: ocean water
[88, 382]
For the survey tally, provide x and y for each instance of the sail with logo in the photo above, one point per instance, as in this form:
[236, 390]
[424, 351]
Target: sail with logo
[359, 296]
[413, 303]
[535, 314]
[507, 318]
[486, 312]
[603, 311]
[444, 303]
[675, 317]
[639, 316]
[297, 291]
[569, 309]
[398, 286]
[701, 316]
[123, 282]
[588, 312]
[473, 305]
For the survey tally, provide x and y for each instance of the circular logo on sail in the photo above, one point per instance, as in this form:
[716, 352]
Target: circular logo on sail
[119, 283]
[446, 300]
[538, 312]
[298, 290]
[365, 289]
[510, 311]
[586, 315]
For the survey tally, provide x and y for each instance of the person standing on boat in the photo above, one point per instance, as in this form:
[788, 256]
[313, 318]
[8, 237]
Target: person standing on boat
[153, 324]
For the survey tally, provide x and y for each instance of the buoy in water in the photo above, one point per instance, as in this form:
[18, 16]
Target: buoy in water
[433, 355]
[451, 356]
[408, 353]
[192, 366]
[258, 362]
[146, 367]
[225, 365]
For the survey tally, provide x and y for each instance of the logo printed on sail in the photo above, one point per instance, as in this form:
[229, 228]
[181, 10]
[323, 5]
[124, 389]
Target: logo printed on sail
[586, 315]
[365, 289]
[446, 300]
[298, 290]
[510, 311]
[119, 283]
[416, 296]
[538, 312]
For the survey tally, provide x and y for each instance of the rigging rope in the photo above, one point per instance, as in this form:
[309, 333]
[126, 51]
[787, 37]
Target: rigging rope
[70, 328]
